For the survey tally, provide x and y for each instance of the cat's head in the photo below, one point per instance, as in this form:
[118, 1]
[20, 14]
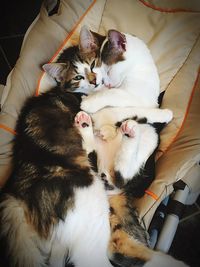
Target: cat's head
[113, 58]
[74, 69]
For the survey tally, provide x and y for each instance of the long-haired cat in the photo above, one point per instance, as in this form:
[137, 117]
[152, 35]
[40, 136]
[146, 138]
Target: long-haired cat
[128, 244]
[54, 210]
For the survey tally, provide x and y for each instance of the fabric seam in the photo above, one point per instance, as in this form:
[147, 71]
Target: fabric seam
[167, 10]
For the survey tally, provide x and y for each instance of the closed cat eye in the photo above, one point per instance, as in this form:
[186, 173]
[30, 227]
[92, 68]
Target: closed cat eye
[78, 77]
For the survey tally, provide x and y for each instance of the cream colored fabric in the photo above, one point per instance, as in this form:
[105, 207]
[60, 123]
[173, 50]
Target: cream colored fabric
[173, 5]
[172, 31]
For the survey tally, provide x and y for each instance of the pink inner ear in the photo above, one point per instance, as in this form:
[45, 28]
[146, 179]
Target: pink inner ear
[86, 40]
[117, 39]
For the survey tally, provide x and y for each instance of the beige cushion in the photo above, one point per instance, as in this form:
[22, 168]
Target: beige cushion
[170, 28]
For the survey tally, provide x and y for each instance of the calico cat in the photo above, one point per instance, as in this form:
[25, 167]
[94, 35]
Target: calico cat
[127, 57]
[128, 244]
[54, 209]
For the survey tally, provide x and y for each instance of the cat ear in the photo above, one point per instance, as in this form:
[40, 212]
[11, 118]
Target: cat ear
[87, 41]
[56, 70]
[117, 40]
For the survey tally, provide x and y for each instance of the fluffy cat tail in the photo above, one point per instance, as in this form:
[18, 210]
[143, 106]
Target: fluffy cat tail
[19, 244]
[142, 256]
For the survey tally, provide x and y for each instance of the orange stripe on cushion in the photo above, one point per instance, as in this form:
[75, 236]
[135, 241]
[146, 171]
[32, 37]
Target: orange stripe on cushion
[151, 194]
[167, 10]
[6, 128]
[64, 42]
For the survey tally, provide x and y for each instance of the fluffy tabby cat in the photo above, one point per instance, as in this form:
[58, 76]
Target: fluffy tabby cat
[53, 207]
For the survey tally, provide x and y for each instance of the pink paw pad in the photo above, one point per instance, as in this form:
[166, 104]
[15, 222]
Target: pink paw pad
[82, 119]
[128, 128]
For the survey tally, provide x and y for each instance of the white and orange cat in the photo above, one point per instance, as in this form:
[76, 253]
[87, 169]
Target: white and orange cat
[128, 70]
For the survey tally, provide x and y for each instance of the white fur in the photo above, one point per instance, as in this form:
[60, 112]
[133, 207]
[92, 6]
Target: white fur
[134, 81]
[134, 152]
[85, 232]
[88, 140]
[83, 236]
[160, 259]
[109, 116]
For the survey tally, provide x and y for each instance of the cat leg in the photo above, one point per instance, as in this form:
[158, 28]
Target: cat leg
[108, 97]
[112, 115]
[84, 124]
[138, 143]
[127, 154]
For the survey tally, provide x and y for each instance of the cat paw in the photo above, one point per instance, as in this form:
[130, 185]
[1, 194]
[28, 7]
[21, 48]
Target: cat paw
[129, 128]
[168, 115]
[108, 85]
[106, 133]
[82, 120]
[106, 81]
[83, 123]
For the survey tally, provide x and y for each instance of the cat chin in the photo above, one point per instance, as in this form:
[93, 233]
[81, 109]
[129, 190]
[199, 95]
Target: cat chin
[84, 90]
[99, 88]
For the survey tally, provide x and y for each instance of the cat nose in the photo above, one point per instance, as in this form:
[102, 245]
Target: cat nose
[93, 80]
[91, 76]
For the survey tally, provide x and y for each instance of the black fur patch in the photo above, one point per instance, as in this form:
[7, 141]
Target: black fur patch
[117, 227]
[158, 126]
[118, 124]
[119, 180]
[160, 98]
[112, 211]
[93, 160]
[142, 120]
[123, 261]
[140, 182]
